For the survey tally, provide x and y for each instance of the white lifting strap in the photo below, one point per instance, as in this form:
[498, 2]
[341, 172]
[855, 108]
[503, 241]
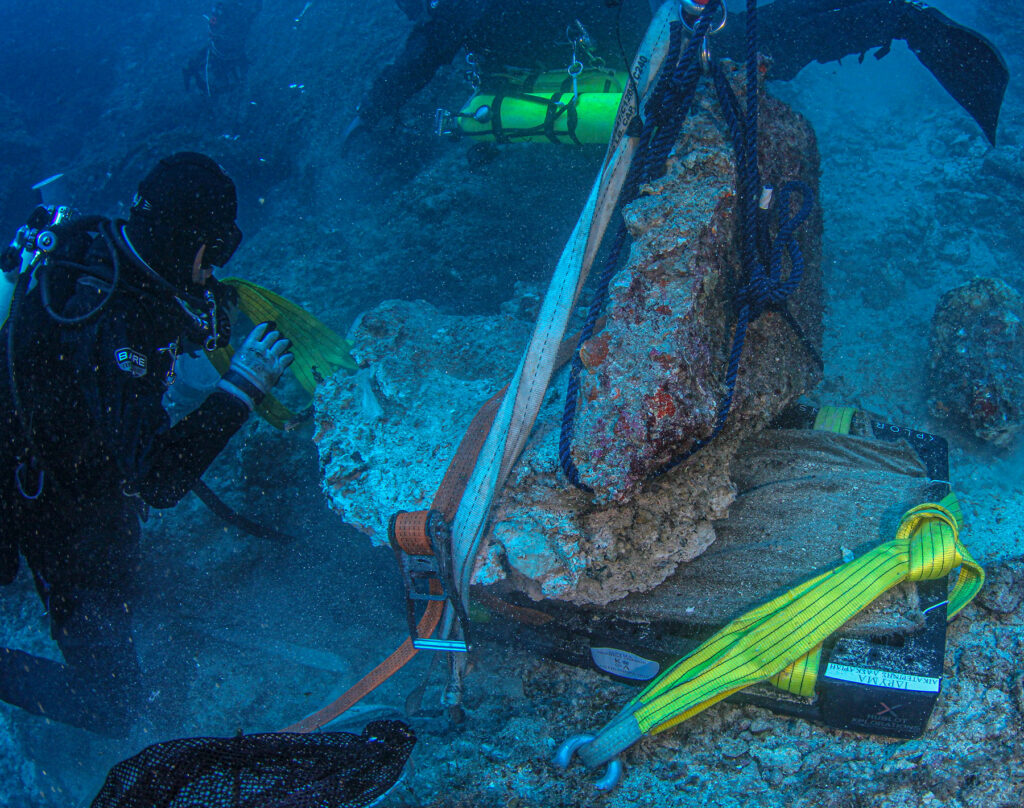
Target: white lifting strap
[518, 411]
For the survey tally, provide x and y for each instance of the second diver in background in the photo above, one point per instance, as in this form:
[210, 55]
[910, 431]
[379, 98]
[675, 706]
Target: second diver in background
[792, 33]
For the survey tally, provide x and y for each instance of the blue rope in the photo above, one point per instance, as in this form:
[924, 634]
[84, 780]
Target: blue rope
[763, 291]
[763, 288]
[666, 109]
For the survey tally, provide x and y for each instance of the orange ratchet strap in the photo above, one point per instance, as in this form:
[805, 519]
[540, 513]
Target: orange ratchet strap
[422, 544]
[446, 501]
[410, 533]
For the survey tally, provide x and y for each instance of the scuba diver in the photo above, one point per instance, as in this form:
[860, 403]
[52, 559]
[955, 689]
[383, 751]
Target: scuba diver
[792, 33]
[535, 34]
[101, 312]
[222, 64]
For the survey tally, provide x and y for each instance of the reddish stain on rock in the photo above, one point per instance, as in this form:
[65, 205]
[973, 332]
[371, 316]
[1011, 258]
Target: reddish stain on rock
[594, 351]
[661, 405]
[666, 360]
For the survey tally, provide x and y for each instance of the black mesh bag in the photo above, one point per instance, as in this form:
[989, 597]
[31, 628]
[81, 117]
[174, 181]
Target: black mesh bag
[270, 770]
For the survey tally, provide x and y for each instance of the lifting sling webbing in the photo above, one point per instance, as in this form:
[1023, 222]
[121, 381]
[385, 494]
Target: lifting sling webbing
[775, 639]
[318, 351]
[518, 410]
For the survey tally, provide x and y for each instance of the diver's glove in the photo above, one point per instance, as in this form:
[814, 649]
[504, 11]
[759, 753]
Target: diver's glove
[257, 365]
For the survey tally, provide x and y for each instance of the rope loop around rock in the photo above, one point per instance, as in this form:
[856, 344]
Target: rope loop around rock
[666, 109]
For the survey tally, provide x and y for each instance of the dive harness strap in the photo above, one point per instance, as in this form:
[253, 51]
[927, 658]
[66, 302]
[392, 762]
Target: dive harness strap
[221, 509]
[781, 640]
[555, 110]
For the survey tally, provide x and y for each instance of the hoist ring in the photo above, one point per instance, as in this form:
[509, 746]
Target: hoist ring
[695, 9]
[563, 757]
[575, 68]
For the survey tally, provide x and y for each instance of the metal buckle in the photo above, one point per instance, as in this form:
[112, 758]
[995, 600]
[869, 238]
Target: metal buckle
[563, 757]
[427, 577]
[449, 646]
[688, 8]
[417, 573]
[443, 122]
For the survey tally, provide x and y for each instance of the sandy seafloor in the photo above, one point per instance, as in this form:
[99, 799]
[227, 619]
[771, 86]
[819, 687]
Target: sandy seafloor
[908, 215]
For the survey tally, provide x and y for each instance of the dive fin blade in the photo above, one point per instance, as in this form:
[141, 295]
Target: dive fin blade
[966, 64]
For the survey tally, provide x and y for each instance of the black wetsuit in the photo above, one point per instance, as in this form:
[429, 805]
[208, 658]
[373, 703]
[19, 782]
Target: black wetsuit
[794, 33]
[91, 395]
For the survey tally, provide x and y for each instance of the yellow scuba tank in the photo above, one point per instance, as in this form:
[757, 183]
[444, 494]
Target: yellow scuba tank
[554, 117]
[553, 106]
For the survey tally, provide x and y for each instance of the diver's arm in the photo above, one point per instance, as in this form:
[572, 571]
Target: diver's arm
[431, 44]
[124, 416]
[180, 455]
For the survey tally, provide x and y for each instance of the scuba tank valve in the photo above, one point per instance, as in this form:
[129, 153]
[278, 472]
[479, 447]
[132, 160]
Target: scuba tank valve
[32, 244]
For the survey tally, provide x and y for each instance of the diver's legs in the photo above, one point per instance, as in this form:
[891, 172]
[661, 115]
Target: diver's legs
[97, 689]
[83, 552]
[794, 33]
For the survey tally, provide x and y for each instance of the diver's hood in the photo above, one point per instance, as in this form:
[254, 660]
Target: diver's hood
[185, 202]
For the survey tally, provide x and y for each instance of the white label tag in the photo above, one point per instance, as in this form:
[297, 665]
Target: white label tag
[889, 679]
[624, 664]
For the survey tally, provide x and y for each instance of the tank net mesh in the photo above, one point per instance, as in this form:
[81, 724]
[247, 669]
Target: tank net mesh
[326, 770]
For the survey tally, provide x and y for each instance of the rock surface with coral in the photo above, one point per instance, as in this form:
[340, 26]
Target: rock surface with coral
[653, 381]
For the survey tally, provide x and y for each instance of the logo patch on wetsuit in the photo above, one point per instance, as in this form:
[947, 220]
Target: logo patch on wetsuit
[131, 361]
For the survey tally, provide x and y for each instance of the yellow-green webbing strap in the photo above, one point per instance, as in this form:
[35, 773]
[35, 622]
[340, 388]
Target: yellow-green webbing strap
[766, 641]
[801, 676]
[318, 351]
[835, 419]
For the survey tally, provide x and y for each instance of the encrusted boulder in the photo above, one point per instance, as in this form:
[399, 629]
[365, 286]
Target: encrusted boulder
[654, 377]
[386, 434]
[976, 359]
[652, 382]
